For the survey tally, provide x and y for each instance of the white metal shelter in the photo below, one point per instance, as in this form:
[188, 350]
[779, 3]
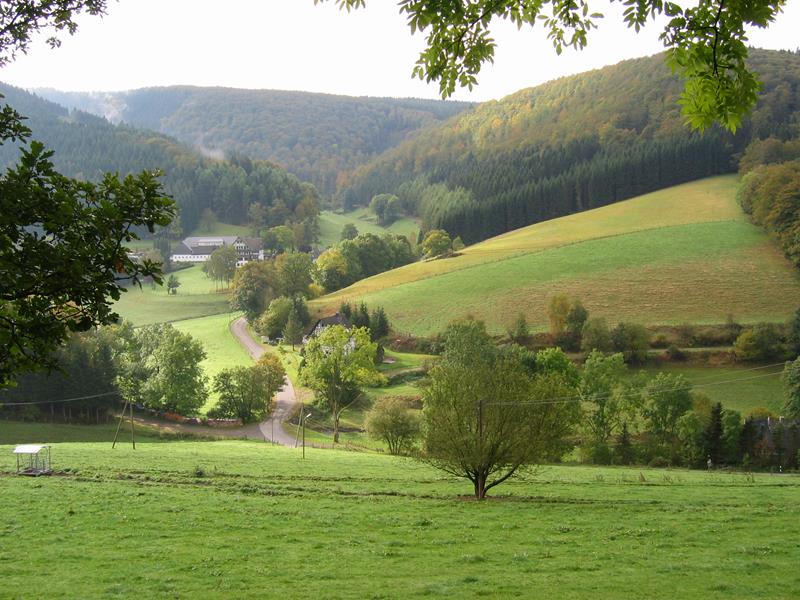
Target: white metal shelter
[33, 459]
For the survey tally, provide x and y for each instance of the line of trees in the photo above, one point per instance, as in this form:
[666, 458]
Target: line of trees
[770, 192]
[363, 256]
[489, 411]
[155, 366]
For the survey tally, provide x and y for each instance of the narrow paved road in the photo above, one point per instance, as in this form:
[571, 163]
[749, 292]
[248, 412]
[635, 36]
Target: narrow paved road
[272, 428]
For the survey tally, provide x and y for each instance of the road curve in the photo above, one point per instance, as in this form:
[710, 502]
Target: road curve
[285, 400]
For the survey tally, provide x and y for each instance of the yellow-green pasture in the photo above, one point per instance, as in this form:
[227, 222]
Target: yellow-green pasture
[684, 254]
[331, 224]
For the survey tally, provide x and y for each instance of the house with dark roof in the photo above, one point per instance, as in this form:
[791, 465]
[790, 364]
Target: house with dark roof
[197, 249]
[324, 323]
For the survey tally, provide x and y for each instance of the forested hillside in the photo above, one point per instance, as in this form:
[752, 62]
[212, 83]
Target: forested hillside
[569, 145]
[87, 146]
[314, 136]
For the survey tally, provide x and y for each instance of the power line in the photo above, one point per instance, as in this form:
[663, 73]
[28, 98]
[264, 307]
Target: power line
[59, 401]
[572, 398]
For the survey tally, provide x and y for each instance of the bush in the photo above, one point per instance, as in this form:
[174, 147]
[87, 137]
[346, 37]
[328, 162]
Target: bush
[595, 335]
[633, 340]
[390, 420]
[762, 342]
[675, 353]
[661, 341]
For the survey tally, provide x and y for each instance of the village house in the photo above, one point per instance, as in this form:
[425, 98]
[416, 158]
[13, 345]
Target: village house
[322, 324]
[197, 249]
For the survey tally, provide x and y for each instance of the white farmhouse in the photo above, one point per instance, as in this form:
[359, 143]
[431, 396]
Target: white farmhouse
[197, 249]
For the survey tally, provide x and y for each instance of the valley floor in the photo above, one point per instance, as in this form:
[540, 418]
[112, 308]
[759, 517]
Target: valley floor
[248, 520]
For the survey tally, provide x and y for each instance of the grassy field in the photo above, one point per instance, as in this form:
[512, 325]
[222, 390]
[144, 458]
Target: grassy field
[331, 224]
[739, 388]
[222, 349]
[658, 258]
[196, 297]
[249, 520]
[15, 432]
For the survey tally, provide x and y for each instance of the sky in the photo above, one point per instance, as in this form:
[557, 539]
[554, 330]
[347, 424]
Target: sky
[295, 45]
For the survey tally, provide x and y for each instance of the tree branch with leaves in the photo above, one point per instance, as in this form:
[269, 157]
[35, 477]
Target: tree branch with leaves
[706, 44]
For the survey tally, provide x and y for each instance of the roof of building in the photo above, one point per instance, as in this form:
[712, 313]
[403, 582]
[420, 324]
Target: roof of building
[337, 319]
[29, 448]
[204, 245]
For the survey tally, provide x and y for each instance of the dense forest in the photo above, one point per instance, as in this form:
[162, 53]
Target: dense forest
[575, 143]
[314, 136]
[86, 146]
[770, 191]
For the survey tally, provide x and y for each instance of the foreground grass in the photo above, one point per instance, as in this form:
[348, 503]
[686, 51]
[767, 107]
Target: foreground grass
[658, 258]
[196, 297]
[243, 519]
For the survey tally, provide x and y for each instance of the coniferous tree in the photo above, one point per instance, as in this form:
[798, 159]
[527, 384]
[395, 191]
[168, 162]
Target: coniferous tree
[293, 330]
[378, 324]
[712, 437]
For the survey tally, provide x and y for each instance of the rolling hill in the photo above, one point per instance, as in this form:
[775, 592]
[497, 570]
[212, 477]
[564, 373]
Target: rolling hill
[86, 146]
[313, 136]
[682, 254]
[569, 145]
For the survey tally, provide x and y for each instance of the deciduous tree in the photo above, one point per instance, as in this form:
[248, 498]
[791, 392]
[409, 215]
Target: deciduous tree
[600, 379]
[295, 270]
[391, 420]
[221, 264]
[246, 392]
[160, 368]
[436, 243]
[791, 388]
[349, 232]
[706, 43]
[485, 417]
[254, 284]
[337, 361]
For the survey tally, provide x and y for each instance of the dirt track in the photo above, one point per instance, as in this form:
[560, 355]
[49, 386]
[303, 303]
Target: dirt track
[272, 428]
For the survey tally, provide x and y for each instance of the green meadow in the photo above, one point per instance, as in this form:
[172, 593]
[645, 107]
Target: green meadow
[331, 224]
[658, 258]
[223, 351]
[235, 519]
[740, 388]
[196, 297]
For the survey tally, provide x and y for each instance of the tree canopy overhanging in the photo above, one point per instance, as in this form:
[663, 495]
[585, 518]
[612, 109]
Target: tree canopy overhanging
[706, 43]
[63, 260]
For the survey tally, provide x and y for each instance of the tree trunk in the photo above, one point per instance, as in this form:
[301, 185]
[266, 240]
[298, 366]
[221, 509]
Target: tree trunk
[335, 428]
[480, 486]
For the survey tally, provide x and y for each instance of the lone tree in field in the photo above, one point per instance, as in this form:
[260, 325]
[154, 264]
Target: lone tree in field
[485, 417]
[338, 361]
[172, 285]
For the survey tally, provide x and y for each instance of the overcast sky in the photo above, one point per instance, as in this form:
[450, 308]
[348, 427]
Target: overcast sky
[294, 45]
